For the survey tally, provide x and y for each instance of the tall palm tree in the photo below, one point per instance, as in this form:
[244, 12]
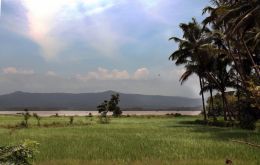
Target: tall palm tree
[239, 24]
[192, 54]
[237, 18]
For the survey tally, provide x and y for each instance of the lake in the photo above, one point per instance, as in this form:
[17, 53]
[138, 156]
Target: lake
[84, 113]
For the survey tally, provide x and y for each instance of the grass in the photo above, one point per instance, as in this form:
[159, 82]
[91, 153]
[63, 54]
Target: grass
[133, 140]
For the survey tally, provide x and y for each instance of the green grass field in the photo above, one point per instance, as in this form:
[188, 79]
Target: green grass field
[134, 140]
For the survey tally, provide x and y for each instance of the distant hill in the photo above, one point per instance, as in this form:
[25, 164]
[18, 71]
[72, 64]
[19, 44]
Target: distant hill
[91, 100]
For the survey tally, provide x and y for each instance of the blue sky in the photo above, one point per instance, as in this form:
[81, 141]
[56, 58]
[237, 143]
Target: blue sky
[93, 45]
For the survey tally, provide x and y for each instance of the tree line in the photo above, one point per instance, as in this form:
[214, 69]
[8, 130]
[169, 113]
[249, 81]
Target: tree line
[224, 52]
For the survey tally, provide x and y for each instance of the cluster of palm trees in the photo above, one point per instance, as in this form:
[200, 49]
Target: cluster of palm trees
[224, 52]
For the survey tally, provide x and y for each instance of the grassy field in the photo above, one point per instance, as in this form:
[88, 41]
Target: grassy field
[134, 140]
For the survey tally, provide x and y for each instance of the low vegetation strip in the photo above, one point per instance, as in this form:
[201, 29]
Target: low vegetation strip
[134, 140]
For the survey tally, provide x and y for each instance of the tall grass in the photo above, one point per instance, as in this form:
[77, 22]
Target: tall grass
[134, 140]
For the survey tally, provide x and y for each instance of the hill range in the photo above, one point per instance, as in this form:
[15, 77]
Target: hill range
[90, 101]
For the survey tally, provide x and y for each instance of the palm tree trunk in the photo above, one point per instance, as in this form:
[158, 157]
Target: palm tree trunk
[211, 99]
[202, 95]
[224, 106]
[212, 104]
[228, 110]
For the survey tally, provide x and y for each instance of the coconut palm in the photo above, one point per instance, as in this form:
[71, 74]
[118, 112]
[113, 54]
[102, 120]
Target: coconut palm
[238, 19]
[192, 53]
[220, 79]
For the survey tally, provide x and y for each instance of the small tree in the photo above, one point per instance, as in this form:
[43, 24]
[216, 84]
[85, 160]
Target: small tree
[113, 105]
[103, 110]
[110, 106]
[26, 116]
[38, 118]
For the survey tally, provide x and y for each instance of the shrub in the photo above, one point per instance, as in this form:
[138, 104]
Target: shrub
[20, 154]
[177, 115]
[90, 115]
[26, 116]
[71, 120]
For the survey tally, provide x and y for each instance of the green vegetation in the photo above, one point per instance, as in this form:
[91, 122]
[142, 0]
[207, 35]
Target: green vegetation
[21, 154]
[109, 106]
[133, 140]
[38, 118]
[26, 116]
[223, 51]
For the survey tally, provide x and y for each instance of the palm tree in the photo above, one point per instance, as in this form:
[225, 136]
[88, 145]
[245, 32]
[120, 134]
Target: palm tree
[195, 69]
[238, 22]
[222, 77]
[237, 19]
[192, 53]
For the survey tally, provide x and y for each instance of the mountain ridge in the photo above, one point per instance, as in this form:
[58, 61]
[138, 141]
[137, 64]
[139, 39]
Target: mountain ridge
[91, 100]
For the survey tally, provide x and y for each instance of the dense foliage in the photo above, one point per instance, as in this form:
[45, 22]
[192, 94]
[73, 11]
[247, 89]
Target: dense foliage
[224, 51]
[20, 154]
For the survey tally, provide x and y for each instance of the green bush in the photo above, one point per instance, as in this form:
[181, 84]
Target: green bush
[21, 154]
[177, 115]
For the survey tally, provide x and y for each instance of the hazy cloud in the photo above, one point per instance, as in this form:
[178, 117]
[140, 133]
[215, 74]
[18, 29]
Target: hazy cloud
[44, 17]
[51, 73]
[48, 84]
[104, 74]
[141, 73]
[13, 70]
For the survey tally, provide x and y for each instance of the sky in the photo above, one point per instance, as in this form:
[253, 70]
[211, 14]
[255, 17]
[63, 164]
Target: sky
[80, 46]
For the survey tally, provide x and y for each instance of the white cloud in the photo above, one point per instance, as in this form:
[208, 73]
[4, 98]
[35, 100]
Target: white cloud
[51, 73]
[10, 70]
[105, 74]
[13, 70]
[141, 73]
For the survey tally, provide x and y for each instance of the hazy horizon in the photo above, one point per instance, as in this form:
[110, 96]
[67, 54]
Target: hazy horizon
[100, 92]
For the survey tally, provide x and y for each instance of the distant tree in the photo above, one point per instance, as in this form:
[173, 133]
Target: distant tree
[102, 108]
[113, 105]
[26, 116]
[109, 106]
